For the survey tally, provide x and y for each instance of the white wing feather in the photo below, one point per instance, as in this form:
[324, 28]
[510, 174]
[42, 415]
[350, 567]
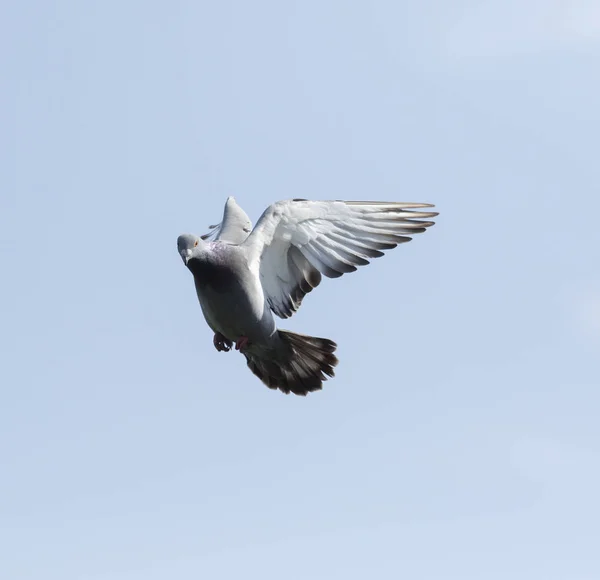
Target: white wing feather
[296, 241]
[234, 227]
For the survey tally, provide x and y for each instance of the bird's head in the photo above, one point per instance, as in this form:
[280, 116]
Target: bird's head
[188, 245]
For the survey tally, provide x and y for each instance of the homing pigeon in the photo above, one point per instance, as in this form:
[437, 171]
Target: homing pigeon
[243, 276]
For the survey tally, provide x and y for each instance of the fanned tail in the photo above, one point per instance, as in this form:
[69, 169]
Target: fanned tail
[306, 361]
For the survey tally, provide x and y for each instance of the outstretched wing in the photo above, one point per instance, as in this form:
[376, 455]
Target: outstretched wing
[234, 227]
[296, 241]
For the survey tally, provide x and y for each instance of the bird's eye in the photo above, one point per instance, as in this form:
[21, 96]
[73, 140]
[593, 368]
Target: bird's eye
[195, 243]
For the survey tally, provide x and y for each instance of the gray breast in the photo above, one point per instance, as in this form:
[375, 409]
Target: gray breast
[219, 276]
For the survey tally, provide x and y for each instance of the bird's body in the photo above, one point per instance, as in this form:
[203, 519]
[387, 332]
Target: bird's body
[244, 276]
[231, 298]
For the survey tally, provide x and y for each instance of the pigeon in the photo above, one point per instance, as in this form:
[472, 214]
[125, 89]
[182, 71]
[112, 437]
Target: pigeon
[245, 276]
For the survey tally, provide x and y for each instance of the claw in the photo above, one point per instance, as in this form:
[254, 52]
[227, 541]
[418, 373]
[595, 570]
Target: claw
[222, 343]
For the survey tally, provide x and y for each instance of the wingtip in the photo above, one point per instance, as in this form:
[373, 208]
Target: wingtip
[415, 204]
[391, 204]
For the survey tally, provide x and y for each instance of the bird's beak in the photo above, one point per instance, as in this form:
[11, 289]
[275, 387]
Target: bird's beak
[186, 255]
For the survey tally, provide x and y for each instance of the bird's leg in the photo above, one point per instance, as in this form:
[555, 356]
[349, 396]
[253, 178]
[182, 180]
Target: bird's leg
[241, 343]
[222, 343]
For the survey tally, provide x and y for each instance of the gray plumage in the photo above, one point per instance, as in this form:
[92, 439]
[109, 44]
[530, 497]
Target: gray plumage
[243, 276]
[234, 227]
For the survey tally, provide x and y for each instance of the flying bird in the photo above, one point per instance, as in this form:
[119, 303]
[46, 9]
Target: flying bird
[244, 276]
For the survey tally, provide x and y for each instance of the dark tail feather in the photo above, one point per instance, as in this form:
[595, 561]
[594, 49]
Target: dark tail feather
[301, 368]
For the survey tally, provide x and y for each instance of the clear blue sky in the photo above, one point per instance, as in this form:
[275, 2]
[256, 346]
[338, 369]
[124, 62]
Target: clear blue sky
[460, 438]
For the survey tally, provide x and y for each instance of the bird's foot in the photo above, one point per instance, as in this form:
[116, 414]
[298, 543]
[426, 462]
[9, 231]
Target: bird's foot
[241, 343]
[222, 343]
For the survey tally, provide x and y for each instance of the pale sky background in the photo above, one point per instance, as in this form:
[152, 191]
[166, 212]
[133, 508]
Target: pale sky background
[460, 439]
